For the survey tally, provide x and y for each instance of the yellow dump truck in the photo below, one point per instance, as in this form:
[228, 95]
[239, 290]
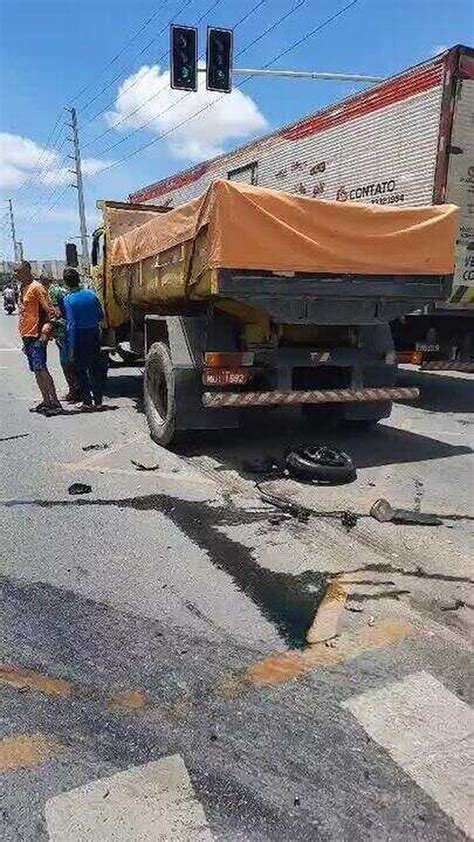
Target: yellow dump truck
[249, 297]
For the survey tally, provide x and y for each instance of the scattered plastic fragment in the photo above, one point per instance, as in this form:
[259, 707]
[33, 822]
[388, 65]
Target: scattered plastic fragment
[80, 488]
[102, 446]
[140, 467]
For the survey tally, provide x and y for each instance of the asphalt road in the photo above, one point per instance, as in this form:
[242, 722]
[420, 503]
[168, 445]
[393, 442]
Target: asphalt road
[158, 625]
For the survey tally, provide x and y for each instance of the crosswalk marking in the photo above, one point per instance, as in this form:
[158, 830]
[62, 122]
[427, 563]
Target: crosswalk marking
[429, 732]
[151, 803]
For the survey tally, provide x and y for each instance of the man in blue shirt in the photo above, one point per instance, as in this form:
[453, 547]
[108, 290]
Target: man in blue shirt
[84, 315]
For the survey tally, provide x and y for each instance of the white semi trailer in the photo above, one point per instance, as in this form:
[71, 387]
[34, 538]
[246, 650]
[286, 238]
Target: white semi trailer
[406, 141]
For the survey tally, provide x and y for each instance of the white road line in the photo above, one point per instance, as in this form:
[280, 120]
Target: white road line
[429, 732]
[151, 803]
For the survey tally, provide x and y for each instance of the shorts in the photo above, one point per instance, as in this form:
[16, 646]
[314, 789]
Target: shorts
[35, 353]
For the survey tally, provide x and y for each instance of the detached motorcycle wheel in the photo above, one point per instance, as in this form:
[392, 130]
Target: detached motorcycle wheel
[321, 464]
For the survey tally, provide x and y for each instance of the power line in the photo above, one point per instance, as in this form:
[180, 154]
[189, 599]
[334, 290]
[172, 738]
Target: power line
[276, 23]
[142, 51]
[123, 49]
[165, 87]
[39, 168]
[314, 31]
[52, 205]
[160, 58]
[42, 157]
[174, 104]
[41, 205]
[244, 81]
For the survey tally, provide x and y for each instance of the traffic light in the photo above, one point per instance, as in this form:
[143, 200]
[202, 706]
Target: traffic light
[71, 255]
[184, 75]
[220, 44]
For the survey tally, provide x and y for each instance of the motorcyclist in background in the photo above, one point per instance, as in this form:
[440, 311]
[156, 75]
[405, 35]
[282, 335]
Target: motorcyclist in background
[9, 302]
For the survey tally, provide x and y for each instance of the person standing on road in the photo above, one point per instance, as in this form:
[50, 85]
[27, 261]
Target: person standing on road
[83, 317]
[36, 312]
[57, 294]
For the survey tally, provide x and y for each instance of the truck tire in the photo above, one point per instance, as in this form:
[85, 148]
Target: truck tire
[159, 394]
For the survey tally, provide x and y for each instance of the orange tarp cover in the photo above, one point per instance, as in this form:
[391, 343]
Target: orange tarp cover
[252, 227]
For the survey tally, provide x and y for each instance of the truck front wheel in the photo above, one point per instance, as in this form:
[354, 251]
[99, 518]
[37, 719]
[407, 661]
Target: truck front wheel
[160, 394]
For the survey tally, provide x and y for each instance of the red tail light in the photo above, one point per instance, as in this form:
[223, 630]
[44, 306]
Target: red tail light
[226, 359]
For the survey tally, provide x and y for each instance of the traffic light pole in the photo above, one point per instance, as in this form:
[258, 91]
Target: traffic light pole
[302, 74]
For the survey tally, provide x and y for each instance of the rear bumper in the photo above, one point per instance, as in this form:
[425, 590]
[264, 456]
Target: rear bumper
[447, 365]
[216, 400]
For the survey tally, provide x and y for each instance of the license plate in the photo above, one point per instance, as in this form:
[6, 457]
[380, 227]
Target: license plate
[226, 377]
[427, 346]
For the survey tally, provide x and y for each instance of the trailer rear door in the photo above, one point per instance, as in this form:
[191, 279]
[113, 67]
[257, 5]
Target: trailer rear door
[460, 181]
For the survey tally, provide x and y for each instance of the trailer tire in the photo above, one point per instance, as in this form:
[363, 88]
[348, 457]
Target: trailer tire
[159, 394]
[320, 464]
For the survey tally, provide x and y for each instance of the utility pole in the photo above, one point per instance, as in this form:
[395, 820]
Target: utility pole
[80, 189]
[12, 227]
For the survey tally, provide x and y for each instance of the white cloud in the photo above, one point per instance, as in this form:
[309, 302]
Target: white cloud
[439, 48]
[229, 116]
[22, 158]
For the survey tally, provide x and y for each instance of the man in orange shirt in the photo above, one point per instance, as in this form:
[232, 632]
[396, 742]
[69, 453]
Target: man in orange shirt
[36, 310]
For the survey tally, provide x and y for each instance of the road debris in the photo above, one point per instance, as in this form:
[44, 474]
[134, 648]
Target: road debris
[102, 446]
[382, 511]
[320, 464]
[12, 438]
[303, 513]
[458, 603]
[283, 503]
[141, 467]
[370, 621]
[80, 488]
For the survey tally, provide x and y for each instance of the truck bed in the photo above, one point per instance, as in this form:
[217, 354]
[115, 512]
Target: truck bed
[333, 299]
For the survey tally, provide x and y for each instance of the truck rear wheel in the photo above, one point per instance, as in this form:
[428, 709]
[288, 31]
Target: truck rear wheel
[159, 394]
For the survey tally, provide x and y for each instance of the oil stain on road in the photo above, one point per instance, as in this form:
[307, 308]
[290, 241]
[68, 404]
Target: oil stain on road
[283, 599]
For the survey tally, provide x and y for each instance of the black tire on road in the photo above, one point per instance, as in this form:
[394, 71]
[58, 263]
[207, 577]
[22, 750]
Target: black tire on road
[159, 394]
[321, 464]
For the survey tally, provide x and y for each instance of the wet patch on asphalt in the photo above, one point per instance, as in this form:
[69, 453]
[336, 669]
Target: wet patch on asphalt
[282, 598]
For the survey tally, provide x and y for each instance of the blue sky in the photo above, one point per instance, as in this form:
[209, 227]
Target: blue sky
[52, 49]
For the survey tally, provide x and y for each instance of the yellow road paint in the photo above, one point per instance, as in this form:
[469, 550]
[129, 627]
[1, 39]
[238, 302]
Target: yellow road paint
[30, 680]
[24, 679]
[281, 668]
[26, 751]
[129, 700]
[326, 620]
